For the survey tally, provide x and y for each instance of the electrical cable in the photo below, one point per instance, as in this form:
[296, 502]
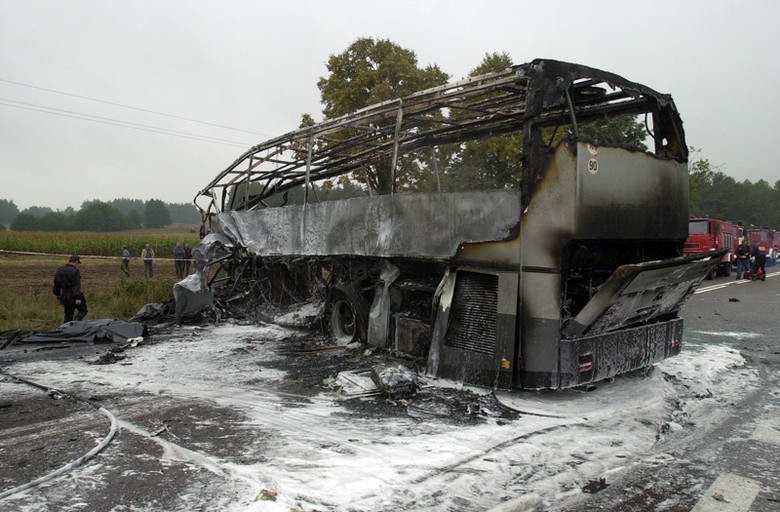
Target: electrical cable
[31, 86]
[117, 122]
[73, 464]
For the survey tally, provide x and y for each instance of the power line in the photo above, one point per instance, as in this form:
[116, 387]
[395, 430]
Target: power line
[31, 86]
[118, 122]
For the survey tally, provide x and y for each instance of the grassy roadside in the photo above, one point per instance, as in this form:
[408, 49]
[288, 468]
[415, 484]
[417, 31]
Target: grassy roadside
[26, 300]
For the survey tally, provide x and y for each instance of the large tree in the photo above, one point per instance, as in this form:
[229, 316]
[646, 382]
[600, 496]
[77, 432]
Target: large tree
[491, 162]
[371, 71]
[156, 214]
[99, 216]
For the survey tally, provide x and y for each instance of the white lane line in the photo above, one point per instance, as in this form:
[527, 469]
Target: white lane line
[718, 286]
[729, 493]
[768, 430]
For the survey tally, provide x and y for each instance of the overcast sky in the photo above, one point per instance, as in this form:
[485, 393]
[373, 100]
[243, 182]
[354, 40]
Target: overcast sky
[253, 66]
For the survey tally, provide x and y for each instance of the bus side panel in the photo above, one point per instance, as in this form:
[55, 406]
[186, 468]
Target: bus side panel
[400, 225]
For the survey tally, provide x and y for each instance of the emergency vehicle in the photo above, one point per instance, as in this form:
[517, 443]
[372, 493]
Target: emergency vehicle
[705, 235]
[766, 237]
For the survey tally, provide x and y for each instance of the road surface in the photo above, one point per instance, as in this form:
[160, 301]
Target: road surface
[259, 418]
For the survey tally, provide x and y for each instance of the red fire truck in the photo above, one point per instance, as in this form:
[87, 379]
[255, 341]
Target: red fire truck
[769, 238]
[705, 234]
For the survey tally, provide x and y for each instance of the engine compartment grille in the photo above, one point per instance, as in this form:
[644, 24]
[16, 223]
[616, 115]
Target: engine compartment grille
[473, 317]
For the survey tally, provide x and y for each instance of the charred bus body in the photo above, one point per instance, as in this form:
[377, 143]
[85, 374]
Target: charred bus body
[566, 270]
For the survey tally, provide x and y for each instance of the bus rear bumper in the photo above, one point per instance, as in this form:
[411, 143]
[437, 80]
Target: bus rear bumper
[594, 358]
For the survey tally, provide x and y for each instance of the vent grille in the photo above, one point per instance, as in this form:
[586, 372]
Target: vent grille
[473, 316]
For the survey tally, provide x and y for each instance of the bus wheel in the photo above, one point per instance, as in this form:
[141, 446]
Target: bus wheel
[347, 316]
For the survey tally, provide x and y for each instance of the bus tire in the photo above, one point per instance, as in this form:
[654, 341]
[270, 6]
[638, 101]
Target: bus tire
[347, 316]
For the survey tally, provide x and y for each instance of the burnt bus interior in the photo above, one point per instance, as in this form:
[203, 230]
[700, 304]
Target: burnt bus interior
[460, 223]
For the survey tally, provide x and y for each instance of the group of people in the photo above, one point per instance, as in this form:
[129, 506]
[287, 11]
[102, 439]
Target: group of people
[67, 279]
[751, 261]
[182, 257]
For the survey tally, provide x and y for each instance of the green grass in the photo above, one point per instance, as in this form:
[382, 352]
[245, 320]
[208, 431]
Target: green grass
[96, 244]
[34, 308]
[40, 311]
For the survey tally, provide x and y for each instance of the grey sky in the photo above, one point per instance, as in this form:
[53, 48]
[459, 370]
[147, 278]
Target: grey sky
[254, 65]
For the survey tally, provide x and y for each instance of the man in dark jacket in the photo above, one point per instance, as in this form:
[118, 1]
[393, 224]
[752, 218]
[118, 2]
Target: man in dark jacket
[743, 259]
[67, 288]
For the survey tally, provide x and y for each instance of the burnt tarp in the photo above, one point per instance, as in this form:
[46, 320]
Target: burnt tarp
[107, 329]
[402, 225]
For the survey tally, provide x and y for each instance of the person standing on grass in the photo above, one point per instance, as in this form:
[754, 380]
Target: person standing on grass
[67, 288]
[126, 260]
[148, 256]
[178, 260]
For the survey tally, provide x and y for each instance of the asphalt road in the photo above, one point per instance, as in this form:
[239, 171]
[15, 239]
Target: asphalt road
[732, 464]
[172, 453]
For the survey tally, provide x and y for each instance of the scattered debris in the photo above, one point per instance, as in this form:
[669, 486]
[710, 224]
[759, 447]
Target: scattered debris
[395, 381]
[671, 426]
[354, 384]
[160, 431]
[719, 497]
[107, 329]
[266, 495]
[109, 357]
[594, 486]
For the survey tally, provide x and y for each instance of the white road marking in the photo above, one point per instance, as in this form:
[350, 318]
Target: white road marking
[768, 430]
[718, 286]
[729, 493]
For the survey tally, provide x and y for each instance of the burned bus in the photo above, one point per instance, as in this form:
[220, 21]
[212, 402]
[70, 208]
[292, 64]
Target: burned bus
[492, 226]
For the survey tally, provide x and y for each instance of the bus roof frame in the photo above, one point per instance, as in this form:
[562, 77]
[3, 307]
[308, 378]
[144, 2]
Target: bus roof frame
[520, 99]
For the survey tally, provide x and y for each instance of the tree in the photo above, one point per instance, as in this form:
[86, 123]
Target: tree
[134, 219]
[370, 71]
[37, 211]
[56, 221]
[99, 216]
[699, 177]
[184, 213]
[24, 222]
[491, 162]
[714, 194]
[8, 210]
[126, 205]
[156, 214]
[616, 131]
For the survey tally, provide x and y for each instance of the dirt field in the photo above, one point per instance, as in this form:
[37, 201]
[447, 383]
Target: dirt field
[33, 274]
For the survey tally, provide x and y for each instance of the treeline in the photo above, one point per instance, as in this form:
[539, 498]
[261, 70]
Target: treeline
[116, 215]
[714, 194]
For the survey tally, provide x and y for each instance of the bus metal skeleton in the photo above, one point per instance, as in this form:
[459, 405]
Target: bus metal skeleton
[569, 273]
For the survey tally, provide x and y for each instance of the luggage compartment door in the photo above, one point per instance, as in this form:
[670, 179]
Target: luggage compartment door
[637, 293]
